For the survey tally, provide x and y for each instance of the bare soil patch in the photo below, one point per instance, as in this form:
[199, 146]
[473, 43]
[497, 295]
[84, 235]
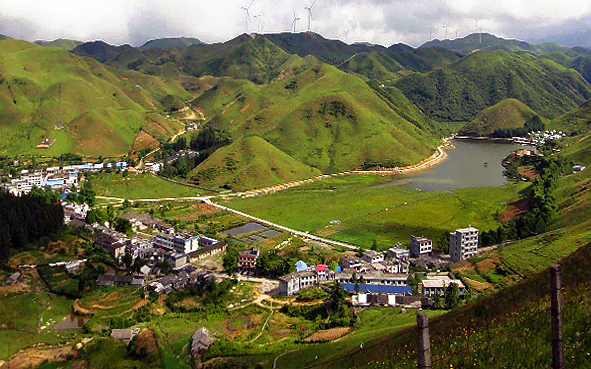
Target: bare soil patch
[478, 286]
[488, 265]
[328, 335]
[462, 265]
[146, 339]
[145, 140]
[32, 358]
[515, 210]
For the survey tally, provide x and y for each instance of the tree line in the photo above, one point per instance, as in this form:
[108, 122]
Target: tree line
[28, 218]
[543, 206]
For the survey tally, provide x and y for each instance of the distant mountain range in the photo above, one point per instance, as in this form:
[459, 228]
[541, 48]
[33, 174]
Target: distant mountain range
[323, 104]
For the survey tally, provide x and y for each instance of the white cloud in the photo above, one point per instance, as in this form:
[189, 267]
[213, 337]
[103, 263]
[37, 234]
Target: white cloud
[379, 21]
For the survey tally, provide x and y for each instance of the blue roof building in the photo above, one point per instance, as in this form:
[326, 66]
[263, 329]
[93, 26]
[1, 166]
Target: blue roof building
[300, 265]
[377, 288]
[54, 182]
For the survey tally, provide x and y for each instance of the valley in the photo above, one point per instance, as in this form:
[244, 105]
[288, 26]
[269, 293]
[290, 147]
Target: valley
[228, 189]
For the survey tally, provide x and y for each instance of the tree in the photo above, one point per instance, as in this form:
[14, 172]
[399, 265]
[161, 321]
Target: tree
[337, 296]
[230, 262]
[437, 302]
[127, 260]
[357, 289]
[374, 245]
[126, 203]
[334, 265]
[452, 296]
[263, 265]
[124, 226]
[359, 252]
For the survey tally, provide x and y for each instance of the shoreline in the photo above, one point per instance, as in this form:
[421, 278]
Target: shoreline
[436, 158]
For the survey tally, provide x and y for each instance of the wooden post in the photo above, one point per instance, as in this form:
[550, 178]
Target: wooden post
[424, 341]
[556, 309]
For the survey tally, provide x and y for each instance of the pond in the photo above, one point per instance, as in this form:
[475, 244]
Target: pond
[464, 167]
[72, 322]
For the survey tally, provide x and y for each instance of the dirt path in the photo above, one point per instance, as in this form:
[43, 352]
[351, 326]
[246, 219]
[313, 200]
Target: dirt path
[264, 325]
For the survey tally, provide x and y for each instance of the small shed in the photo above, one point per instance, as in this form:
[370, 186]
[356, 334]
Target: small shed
[125, 335]
[13, 278]
[201, 341]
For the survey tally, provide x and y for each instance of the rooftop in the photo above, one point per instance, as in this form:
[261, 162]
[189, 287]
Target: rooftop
[373, 288]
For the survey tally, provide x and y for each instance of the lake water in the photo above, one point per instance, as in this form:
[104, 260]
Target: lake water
[72, 322]
[464, 167]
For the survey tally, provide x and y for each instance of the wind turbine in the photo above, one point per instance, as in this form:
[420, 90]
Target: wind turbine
[346, 36]
[445, 26]
[309, 9]
[295, 19]
[260, 19]
[247, 14]
[456, 33]
[431, 32]
[479, 32]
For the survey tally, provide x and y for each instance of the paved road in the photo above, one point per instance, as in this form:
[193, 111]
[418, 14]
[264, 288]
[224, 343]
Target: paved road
[280, 227]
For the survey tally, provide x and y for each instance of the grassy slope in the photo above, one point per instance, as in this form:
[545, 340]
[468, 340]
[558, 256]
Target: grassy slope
[166, 43]
[60, 43]
[290, 119]
[509, 113]
[102, 112]
[471, 43]
[139, 186]
[483, 79]
[577, 120]
[250, 162]
[370, 209]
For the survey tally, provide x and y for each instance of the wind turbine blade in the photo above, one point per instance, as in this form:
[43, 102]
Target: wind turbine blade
[314, 2]
[250, 4]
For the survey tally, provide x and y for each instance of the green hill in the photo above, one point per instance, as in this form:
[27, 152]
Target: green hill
[60, 43]
[576, 121]
[49, 93]
[509, 113]
[169, 42]
[472, 42]
[368, 66]
[482, 79]
[320, 116]
[99, 50]
[250, 162]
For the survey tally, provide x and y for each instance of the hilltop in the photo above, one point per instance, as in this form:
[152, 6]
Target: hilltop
[509, 113]
[320, 116]
[483, 79]
[481, 42]
[169, 42]
[60, 43]
[576, 121]
[250, 162]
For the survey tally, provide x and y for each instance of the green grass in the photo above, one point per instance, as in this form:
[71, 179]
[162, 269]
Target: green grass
[369, 210]
[139, 186]
[509, 113]
[250, 163]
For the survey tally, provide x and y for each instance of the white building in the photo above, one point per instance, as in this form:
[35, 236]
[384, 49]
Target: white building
[372, 256]
[420, 246]
[182, 242]
[432, 285]
[463, 244]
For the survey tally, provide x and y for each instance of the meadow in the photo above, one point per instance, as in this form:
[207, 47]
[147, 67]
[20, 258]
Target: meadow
[139, 186]
[372, 208]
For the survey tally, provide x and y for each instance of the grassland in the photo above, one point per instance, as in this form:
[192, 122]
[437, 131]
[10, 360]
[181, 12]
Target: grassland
[139, 186]
[509, 113]
[372, 208]
[250, 163]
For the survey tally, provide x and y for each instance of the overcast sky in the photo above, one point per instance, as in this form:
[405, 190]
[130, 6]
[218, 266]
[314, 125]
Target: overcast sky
[378, 21]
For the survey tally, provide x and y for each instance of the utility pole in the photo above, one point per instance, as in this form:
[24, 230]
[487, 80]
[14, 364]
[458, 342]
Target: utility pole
[556, 309]
[424, 339]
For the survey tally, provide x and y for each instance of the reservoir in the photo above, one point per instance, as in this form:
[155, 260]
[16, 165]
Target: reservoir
[464, 167]
[72, 322]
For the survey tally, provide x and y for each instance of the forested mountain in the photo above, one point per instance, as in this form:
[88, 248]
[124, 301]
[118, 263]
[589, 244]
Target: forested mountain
[483, 79]
[480, 41]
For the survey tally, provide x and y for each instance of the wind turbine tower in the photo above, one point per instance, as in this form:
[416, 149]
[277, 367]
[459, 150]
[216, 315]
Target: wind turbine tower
[309, 9]
[479, 30]
[431, 32]
[260, 19]
[445, 27]
[247, 14]
[295, 19]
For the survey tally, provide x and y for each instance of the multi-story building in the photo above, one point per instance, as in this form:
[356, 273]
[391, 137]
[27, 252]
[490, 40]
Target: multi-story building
[294, 282]
[372, 256]
[351, 262]
[378, 277]
[463, 244]
[420, 246]
[182, 242]
[398, 252]
[247, 261]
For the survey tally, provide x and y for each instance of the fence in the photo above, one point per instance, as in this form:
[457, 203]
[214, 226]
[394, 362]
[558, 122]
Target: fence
[522, 325]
